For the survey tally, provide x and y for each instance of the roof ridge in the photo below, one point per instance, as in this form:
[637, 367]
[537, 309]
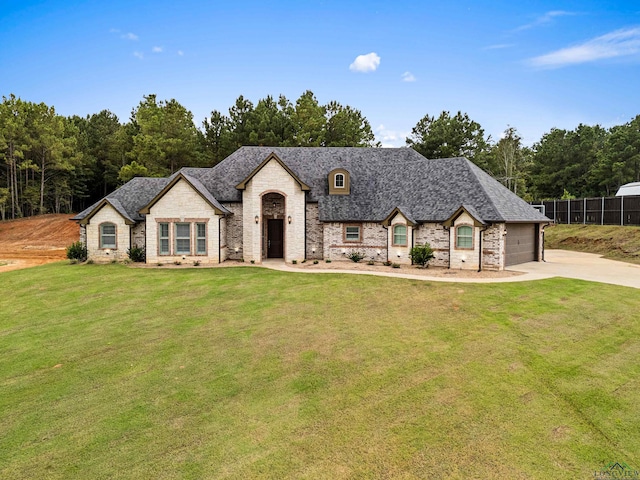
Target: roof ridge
[474, 171]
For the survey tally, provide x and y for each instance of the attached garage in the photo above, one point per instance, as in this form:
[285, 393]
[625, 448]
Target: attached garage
[522, 244]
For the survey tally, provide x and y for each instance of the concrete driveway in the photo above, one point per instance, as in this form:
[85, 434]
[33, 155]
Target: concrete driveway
[583, 266]
[559, 263]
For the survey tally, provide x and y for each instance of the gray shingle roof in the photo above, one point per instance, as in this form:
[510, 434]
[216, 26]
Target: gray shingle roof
[381, 180]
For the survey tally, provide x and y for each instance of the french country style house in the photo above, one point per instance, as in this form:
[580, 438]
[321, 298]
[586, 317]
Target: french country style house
[318, 203]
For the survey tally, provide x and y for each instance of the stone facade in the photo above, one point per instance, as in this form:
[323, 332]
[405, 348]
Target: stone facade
[107, 214]
[138, 235]
[234, 231]
[182, 204]
[399, 253]
[262, 183]
[438, 238]
[373, 241]
[315, 234]
[493, 252]
[464, 258]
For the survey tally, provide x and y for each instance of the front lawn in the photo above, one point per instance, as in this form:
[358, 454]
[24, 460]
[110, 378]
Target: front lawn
[116, 372]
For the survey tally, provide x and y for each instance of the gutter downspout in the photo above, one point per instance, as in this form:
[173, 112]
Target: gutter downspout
[219, 239]
[482, 230]
[448, 229]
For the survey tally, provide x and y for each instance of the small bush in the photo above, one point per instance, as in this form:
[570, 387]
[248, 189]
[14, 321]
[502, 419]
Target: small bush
[328, 260]
[315, 262]
[77, 251]
[355, 256]
[196, 263]
[386, 263]
[421, 254]
[294, 261]
[177, 262]
[395, 265]
[137, 254]
[89, 262]
[252, 262]
[371, 262]
[304, 261]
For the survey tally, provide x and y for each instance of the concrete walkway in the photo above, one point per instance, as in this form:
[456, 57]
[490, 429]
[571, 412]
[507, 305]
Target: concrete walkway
[559, 263]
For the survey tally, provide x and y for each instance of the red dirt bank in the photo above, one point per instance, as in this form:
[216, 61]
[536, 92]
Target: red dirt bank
[31, 241]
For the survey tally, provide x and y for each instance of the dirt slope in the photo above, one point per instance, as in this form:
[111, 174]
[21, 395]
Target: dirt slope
[35, 240]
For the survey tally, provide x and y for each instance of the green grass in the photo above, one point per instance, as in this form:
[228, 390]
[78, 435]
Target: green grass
[117, 372]
[614, 242]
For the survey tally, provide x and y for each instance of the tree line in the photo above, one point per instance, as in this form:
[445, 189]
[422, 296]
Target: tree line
[63, 164]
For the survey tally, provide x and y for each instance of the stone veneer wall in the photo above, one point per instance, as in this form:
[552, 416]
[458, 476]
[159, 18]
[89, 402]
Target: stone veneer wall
[263, 182]
[138, 237]
[438, 237]
[373, 238]
[107, 214]
[234, 231]
[315, 233]
[182, 204]
[493, 252]
[83, 235]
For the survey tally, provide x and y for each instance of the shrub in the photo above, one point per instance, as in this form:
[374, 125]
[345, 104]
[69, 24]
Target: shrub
[395, 265]
[421, 254]
[294, 262]
[386, 263]
[315, 262]
[328, 260]
[77, 251]
[137, 254]
[355, 256]
[196, 263]
[371, 262]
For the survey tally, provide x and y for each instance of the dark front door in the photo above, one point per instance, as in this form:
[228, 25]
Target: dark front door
[275, 238]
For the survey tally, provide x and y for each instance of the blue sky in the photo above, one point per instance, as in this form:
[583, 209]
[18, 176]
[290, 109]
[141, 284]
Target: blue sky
[531, 65]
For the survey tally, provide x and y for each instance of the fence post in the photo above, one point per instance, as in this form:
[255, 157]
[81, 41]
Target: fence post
[622, 210]
[584, 210]
[602, 213]
[555, 213]
[568, 212]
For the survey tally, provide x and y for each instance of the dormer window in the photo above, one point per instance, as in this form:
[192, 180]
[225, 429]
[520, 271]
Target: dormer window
[339, 182]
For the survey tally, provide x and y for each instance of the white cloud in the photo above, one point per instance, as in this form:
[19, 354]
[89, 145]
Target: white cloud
[139, 55]
[500, 46]
[544, 19]
[129, 36]
[180, 52]
[620, 43]
[408, 77]
[156, 49]
[390, 138]
[365, 63]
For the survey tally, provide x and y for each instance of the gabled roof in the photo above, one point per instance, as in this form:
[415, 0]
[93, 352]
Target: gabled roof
[130, 197]
[242, 185]
[381, 180]
[402, 211]
[477, 221]
[195, 184]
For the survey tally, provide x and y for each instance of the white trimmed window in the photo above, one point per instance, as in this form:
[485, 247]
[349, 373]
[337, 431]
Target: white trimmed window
[339, 180]
[183, 239]
[163, 238]
[464, 236]
[400, 235]
[201, 238]
[108, 235]
[352, 233]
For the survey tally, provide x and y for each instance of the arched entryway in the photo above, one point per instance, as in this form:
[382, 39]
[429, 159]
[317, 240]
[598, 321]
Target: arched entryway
[273, 215]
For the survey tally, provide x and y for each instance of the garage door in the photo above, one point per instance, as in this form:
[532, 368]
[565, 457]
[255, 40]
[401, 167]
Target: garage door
[521, 243]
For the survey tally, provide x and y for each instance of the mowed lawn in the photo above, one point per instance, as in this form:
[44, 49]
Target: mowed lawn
[119, 372]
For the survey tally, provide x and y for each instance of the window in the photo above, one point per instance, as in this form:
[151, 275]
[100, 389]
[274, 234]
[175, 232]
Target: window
[339, 180]
[163, 238]
[352, 233]
[201, 238]
[183, 239]
[464, 237]
[107, 235]
[400, 235]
